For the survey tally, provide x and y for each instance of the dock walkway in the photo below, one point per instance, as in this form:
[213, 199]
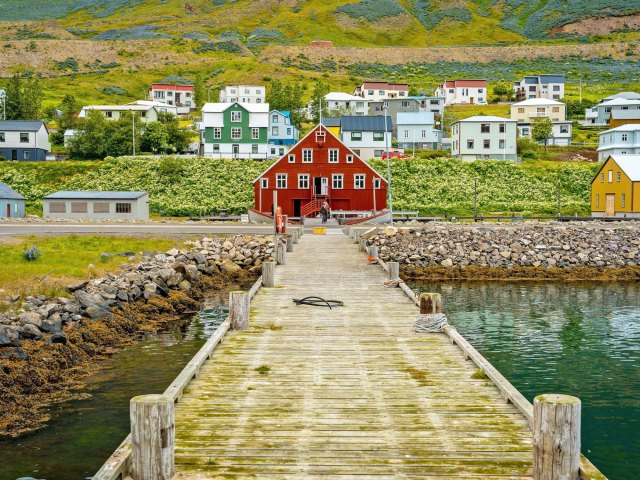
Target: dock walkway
[351, 392]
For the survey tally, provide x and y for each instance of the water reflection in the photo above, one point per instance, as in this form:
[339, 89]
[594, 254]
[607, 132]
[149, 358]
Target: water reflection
[580, 339]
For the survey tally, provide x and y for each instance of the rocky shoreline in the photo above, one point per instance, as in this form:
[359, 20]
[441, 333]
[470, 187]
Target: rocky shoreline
[47, 345]
[536, 251]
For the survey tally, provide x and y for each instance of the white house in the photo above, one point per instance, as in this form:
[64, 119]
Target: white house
[180, 96]
[24, 140]
[601, 114]
[243, 94]
[527, 111]
[376, 91]
[463, 92]
[159, 106]
[546, 86]
[346, 104]
[623, 140]
[97, 205]
[484, 137]
[148, 113]
[367, 136]
[416, 130]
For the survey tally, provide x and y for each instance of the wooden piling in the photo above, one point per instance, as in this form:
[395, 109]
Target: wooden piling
[373, 252]
[239, 305]
[152, 437]
[394, 270]
[556, 437]
[296, 236]
[363, 245]
[281, 255]
[269, 274]
[356, 236]
[290, 243]
[430, 303]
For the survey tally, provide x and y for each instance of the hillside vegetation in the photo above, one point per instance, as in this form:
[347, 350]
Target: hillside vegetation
[182, 187]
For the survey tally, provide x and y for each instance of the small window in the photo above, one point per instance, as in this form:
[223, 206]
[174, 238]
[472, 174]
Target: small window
[236, 116]
[542, 109]
[255, 133]
[349, 158]
[123, 208]
[281, 180]
[610, 176]
[556, 109]
[274, 131]
[501, 144]
[377, 183]
[292, 158]
[623, 200]
[556, 88]
[236, 133]
[470, 144]
[288, 131]
[405, 103]
[356, 136]
[321, 136]
[307, 155]
[520, 110]
[380, 92]
[143, 114]
[369, 92]
[101, 207]
[2, 140]
[57, 207]
[597, 200]
[337, 181]
[264, 183]
[487, 144]
[378, 136]
[78, 207]
[216, 148]
[502, 128]
[406, 134]
[217, 133]
[254, 148]
[273, 151]
[108, 114]
[602, 178]
[24, 138]
[25, 155]
[485, 128]
[564, 129]
[333, 155]
[424, 134]
[359, 181]
[618, 176]
[624, 137]
[303, 181]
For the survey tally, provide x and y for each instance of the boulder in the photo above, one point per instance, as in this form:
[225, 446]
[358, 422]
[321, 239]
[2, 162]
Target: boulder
[52, 324]
[79, 285]
[15, 354]
[97, 312]
[191, 273]
[31, 318]
[230, 268]
[31, 332]
[87, 300]
[59, 337]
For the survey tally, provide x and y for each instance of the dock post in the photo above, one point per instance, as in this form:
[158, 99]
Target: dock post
[268, 274]
[363, 245]
[239, 305]
[373, 252]
[394, 271]
[296, 236]
[556, 437]
[289, 243]
[430, 303]
[152, 437]
[281, 257]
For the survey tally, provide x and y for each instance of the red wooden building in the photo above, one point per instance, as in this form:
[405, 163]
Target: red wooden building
[320, 167]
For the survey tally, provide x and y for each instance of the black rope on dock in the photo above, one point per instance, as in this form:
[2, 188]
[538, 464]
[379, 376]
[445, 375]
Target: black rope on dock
[318, 302]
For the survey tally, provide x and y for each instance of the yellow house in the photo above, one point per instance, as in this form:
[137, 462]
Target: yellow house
[615, 190]
[332, 124]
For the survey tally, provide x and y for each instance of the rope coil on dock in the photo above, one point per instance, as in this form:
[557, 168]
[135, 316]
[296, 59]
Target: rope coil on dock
[318, 302]
[393, 283]
[430, 323]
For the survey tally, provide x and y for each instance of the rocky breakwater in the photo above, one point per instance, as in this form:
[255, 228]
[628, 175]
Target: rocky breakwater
[585, 250]
[45, 343]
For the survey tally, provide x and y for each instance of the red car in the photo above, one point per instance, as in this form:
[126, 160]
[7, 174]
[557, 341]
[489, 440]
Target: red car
[395, 154]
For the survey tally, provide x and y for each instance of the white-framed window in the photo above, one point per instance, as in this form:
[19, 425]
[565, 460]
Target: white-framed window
[424, 134]
[377, 183]
[288, 131]
[217, 133]
[307, 155]
[485, 128]
[597, 200]
[24, 138]
[487, 144]
[610, 176]
[25, 155]
[624, 137]
[264, 183]
[216, 148]
[303, 181]
[281, 180]
[236, 116]
[378, 136]
[356, 136]
[501, 144]
[255, 133]
[333, 155]
[618, 177]
[337, 181]
[349, 158]
[470, 144]
[236, 133]
[623, 200]
[321, 136]
[2, 140]
[254, 148]
[602, 178]
[292, 158]
[359, 181]
[274, 118]
[406, 134]
[274, 131]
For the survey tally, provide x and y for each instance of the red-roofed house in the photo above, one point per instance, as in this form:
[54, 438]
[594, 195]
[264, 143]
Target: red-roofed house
[381, 90]
[461, 92]
[320, 167]
[181, 96]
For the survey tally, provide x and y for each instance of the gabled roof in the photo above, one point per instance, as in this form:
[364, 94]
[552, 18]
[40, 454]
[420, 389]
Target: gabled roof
[116, 108]
[331, 121]
[619, 102]
[625, 95]
[301, 142]
[415, 118]
[366, 123]
[87, 195]
[385, 85]
[342, 97]
[149, 103]
[465, 83]
[171, 86]
[629, 127]
[485, 118]
[629, 164]
[536, 101]
[8, 193]
[20, 125]
[249, 107]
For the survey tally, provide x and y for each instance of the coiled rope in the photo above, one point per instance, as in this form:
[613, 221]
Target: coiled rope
[318, 302]
[430, 323]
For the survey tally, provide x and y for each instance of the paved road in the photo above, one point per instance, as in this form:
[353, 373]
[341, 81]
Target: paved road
[130, 229]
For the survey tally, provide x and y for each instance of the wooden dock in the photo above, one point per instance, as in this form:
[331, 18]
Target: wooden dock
[350, 392]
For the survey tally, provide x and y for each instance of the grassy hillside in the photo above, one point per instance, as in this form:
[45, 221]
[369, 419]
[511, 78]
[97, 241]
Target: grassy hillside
[180, 187]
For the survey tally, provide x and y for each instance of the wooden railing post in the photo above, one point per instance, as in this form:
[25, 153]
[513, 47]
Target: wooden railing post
[296, 235]
[268, 274]
[281, 257]
[239, 305]
[356, 236]
[363, 245]
[430, 303]
[289, 243]
[152, 437]
[394, 271]
[556, 437]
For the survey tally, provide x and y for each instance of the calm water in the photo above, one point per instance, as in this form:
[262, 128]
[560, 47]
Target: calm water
[83, 434]
[577, 339]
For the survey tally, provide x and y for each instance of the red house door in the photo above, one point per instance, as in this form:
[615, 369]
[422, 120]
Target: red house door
[8, 210]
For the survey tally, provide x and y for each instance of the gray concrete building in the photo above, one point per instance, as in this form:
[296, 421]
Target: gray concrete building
[97, 205]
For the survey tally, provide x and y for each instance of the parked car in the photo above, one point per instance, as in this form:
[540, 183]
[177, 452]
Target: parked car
[395, 154]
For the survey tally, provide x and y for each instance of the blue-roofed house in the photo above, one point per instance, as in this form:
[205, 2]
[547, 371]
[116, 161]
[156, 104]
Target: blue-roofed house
[546, 86]
[367, 136]
[282, 133]
[12, 204]
[97, 205]
[24, 140]
[416, 130]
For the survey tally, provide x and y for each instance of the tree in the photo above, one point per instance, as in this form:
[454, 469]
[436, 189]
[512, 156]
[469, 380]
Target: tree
[503, 91]
[287, 97]
[541, 131]
[155, 137]
[199, 91]
[178, 138]
[413, 91]
[14, 99]
[320, 89]
[576, 108]
[97, 137]
[69, 108]
[23, 98]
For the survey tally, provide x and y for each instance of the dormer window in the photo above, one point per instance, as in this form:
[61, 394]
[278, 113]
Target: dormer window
[320, 136]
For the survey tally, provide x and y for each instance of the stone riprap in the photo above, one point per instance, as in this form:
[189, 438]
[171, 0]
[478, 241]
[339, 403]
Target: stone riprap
[525, 245]
[43, 319]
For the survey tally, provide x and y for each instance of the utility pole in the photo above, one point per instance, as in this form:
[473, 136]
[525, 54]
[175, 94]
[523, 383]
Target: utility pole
[133, 131]
[386, 132]
[475, 199]
[559, 185]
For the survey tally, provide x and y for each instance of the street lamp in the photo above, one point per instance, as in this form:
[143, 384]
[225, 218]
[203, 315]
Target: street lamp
[385, 107]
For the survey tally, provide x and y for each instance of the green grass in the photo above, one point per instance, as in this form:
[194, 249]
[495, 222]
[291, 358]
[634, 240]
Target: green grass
[66, 259]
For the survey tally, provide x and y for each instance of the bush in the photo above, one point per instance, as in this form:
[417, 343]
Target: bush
[261, 37]
[133, 33]
[32, 254]
[229, 46]
[371, 10]
[114, 90]
[430, 18]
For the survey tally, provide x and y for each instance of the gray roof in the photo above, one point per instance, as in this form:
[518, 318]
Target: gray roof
[81, 195]
[369, 123]
[20, 125]
[331, 121]
[625, 114]
[6, 192]
[553, 78]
